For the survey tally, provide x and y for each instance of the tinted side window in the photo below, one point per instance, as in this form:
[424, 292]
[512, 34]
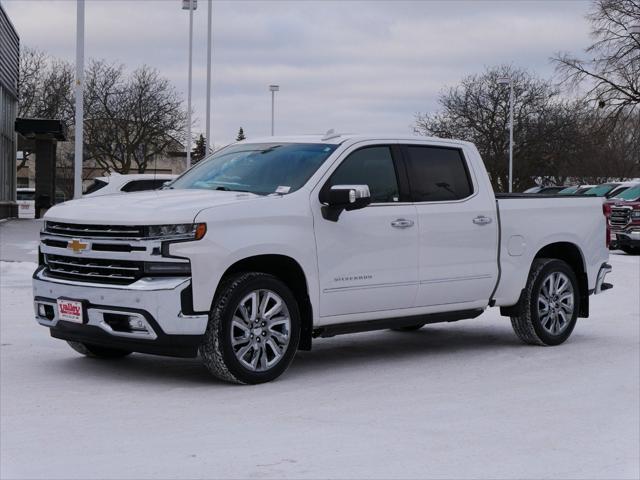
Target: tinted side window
[372, 166]
[437, 174]
[142, 185]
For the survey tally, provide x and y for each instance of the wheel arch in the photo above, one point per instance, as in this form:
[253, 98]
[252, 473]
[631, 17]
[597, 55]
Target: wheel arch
[289, 271]
[571, 254]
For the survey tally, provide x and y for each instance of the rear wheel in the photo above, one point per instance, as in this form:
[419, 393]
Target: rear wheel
[253, 331]
[96, 351]
[549, 308]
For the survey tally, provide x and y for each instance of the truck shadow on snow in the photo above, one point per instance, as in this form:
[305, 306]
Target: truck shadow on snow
[333, 356]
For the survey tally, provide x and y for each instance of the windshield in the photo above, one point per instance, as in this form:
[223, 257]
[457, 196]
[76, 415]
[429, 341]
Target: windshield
[631, 194]
[257, 168]
[600, 190]
[26, 195]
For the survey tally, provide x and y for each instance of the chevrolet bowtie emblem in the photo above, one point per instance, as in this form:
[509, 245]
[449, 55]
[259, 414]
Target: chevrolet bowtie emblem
[77, 246]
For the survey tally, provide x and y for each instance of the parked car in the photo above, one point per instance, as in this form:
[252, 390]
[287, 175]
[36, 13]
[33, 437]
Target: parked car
[621, 188]
[26, 199]
[624, 220]
[550, 190]
[575, 190]
[602, 190]
[267, 245]
[116, 183]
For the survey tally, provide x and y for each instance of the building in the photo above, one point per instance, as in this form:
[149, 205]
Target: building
[171, 161]
[9, 66]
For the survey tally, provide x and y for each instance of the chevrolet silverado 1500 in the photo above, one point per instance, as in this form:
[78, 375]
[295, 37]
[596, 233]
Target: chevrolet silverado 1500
[266, 245]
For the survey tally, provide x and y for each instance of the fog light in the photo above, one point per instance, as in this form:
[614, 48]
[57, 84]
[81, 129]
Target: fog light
[137, 325]
[46, 311]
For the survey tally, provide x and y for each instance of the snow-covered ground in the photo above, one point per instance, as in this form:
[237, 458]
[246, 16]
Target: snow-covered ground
[460, 400]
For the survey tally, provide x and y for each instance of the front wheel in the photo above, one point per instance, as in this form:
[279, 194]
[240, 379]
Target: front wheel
[549, 308]
[253, 330]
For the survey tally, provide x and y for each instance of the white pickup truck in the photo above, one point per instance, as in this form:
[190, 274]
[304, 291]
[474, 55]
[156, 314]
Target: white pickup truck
[266, 245]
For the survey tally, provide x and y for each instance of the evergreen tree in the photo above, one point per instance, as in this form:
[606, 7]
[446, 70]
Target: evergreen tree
[241, 135]
[200, 149]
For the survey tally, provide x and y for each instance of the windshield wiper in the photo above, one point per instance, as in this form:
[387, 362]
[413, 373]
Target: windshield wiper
[227, 189]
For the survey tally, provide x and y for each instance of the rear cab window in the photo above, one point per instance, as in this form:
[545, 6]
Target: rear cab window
[437, 174]
[95, 186]
[143, 185]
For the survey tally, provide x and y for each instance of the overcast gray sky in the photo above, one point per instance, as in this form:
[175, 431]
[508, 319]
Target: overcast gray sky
[356, 66]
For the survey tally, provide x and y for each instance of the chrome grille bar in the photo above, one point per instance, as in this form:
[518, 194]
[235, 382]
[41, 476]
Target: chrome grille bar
[94, 231]
[92, 269]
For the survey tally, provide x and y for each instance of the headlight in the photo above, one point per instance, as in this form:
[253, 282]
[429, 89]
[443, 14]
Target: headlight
[635, 214]
[182, 231]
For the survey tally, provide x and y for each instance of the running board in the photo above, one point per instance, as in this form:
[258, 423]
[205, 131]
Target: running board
[398, 322]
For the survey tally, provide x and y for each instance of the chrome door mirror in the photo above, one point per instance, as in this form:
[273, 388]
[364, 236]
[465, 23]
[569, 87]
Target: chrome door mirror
[345, 197]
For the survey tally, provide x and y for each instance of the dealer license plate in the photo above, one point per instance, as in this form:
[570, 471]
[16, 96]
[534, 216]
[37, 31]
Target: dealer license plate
[70, 310]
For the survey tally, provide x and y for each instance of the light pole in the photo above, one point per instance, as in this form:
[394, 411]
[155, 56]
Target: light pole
[508, 81]
[273, 89]
[79, 127]
[209, 144]
[190, 5]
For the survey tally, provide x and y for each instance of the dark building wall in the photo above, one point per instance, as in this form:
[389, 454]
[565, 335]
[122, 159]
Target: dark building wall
[9, 59]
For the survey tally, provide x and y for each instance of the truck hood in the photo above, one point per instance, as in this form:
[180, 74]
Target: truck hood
[154, 207]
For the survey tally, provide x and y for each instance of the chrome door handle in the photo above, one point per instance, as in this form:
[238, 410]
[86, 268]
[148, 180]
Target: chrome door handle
[402, 223]
[482, 220]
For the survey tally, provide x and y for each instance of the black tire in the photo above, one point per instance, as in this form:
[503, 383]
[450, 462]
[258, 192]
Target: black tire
[96, 351]
[527, 325]
[409, 328]
[631, 250]
[216, 349]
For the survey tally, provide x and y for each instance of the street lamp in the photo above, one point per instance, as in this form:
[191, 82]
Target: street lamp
[273, 89]
[209, 144]
[508, 81]
[79, 127]
[190, 5]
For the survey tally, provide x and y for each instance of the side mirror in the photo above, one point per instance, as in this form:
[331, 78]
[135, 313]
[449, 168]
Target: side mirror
[345, 197]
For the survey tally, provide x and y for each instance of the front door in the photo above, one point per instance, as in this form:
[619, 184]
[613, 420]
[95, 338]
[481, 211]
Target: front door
[367, 259]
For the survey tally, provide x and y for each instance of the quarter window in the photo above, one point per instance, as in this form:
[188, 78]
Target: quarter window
[437, 174]
[372, 166]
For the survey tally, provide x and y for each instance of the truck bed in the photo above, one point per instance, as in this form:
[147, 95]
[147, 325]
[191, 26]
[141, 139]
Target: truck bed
[534, 221]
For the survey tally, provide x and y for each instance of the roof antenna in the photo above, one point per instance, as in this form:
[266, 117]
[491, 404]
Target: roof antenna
[330, 134]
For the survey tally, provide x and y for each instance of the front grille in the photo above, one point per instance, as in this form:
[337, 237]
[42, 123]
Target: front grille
[97, 247]
[119, 272]
[620, 216]
[94, 231]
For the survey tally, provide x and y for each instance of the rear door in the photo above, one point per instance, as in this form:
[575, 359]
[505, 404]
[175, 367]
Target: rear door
[458, 228]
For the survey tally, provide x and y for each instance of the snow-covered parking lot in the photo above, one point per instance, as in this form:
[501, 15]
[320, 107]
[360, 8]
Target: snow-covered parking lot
[459, 400]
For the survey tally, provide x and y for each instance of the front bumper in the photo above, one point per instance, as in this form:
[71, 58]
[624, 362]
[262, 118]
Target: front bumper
[154, 306]
[626, 239]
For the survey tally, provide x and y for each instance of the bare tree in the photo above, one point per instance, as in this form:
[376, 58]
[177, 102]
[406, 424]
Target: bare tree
[612, 74]
[130, 120]
[45, 89]
[477, 110]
